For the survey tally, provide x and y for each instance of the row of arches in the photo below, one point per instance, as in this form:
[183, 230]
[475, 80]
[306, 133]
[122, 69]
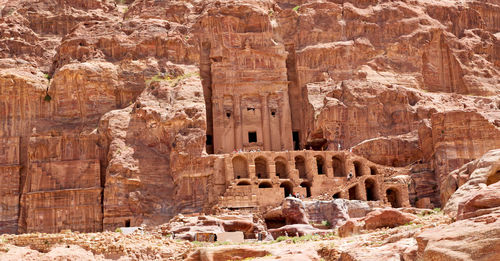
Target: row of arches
[240, 167]
[393, 195]
[287, 185]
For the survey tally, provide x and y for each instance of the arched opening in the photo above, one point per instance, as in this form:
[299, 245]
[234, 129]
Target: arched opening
[265, 184]
[307, 185]
[261, 168]
[493, 178]
[336, 195]
[373, 170]
[288, 188]
[393, 197]
[338, 167]
[300, 165]
[320, 164]
[243, 183]
[240, 168]
[371, 191]
[353, 194]
[358, 169]
[281, 169]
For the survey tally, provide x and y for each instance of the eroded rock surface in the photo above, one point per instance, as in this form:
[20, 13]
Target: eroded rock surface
[111, 111]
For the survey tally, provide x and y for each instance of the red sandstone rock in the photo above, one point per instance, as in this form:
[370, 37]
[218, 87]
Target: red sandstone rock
[469, 239]
[387, 218]
[294, 211]
[461, 185]
[125, 112]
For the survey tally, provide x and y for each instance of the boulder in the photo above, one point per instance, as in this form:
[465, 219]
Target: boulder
[294, 211]
[454, 191]
[469, 239]
[482, 202]
[349, 228]
[387, 218]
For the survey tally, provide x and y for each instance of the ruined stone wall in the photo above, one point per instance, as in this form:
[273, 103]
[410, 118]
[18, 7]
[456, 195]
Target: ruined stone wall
[260, 183]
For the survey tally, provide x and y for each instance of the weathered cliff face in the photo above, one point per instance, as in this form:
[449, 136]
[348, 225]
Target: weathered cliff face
[107, 111]
[147, 142]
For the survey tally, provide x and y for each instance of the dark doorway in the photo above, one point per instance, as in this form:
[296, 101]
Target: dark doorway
[307, 185]
[352, 193]
[296, 140]
[393, 198]
[320, 164]
[288, 188]
[209, 140]
[336, 195]
[252, 137]
[373, 171]
[371, 192]
[358, 168]
[127, 223]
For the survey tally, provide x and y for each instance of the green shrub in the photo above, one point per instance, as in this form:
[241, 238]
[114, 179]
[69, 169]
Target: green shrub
[118, 230]
[47, 98]
[296, 9]
[326, 223]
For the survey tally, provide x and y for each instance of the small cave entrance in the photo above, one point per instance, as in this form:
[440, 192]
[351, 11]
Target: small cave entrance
[353, 194]
[243, 183]
[371, 191]
[373, 171]
[393, 197]
[127, 223]
[275, 222]
[288, 188]
[307, 185]
[336, 195]
[265, 184]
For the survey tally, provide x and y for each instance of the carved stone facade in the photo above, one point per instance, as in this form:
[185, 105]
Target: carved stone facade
[262, 179]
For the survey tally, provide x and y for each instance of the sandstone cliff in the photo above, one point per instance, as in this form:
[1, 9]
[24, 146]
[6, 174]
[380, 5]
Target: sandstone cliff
[109, 111]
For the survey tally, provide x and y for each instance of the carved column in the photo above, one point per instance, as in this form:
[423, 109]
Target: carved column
[218, 123]
[266, 128]
[286, 123]
[238, 136]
